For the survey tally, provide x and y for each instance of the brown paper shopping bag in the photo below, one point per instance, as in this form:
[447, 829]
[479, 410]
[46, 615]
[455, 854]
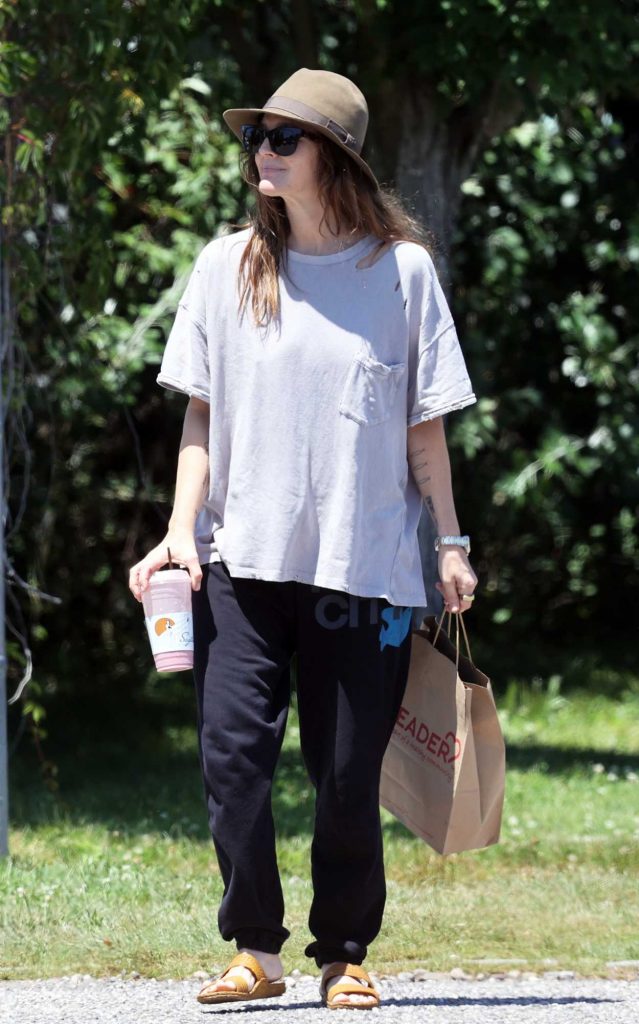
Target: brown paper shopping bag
[443, 772]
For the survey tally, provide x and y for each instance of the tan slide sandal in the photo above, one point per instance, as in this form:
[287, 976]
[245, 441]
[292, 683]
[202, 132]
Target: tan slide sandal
[352, 971]
[262, 987]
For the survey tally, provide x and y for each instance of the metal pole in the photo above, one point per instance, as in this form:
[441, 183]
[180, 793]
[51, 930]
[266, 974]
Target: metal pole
[5, 328]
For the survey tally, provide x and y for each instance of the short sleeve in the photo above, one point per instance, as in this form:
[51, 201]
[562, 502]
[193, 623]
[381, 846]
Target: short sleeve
[438, 377]
[185, 362]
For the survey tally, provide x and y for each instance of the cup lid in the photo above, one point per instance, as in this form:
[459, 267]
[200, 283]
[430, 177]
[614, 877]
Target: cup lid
[169, 574]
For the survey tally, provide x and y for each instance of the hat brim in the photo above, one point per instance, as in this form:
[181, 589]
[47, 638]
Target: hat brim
[238, 116]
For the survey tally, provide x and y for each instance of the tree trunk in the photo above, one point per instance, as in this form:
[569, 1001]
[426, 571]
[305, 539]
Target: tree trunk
[435, 155]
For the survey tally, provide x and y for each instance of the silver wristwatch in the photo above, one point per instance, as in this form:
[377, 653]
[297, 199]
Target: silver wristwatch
[462, 541]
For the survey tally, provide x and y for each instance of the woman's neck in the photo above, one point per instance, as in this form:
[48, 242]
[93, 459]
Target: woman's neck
[308, 239]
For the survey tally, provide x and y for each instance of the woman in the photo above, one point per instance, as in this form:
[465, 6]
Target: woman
[319, 356]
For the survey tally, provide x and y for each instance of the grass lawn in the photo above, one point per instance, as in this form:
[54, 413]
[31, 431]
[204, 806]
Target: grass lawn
[120, 874]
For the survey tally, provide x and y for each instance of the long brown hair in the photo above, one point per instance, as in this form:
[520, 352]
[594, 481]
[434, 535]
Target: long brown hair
[350, 202]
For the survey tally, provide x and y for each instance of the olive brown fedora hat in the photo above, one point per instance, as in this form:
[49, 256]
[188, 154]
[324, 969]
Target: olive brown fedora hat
[321, 101]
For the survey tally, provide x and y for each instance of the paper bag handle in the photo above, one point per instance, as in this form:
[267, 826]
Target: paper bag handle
[460, 618]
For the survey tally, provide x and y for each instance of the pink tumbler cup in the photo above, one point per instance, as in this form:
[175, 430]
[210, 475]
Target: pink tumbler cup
[169, 619]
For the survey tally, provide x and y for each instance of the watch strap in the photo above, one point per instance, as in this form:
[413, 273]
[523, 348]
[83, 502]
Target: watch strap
[462, 541]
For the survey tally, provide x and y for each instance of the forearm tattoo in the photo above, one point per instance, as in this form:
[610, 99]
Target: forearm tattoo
[419, 466]
[428, 501]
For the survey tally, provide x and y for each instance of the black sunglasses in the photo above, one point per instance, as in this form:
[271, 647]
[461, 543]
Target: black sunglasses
[283, 140]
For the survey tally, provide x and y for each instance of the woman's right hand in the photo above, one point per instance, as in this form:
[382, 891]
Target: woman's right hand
[181, 541]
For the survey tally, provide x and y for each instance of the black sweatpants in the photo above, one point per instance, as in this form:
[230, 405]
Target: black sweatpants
[352, 665]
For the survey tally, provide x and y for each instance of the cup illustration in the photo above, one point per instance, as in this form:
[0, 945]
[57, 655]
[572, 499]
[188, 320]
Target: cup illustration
[169, 619]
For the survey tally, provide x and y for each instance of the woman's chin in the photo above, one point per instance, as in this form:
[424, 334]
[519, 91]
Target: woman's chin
[268, 188]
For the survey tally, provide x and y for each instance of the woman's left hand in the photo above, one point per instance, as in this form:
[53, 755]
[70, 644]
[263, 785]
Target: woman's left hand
[457, 578]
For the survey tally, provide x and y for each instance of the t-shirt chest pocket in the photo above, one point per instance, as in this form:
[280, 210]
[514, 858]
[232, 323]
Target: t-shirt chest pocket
[370, 390]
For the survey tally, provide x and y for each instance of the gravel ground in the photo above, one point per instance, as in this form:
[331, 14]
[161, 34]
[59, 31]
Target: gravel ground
[552, 998]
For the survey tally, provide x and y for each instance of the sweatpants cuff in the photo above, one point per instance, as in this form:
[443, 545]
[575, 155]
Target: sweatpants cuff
[259, 938]
[332, 952]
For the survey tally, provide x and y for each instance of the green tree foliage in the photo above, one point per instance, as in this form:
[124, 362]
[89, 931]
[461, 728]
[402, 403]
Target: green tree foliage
[116, 169]
[547, 252]
[113, 176]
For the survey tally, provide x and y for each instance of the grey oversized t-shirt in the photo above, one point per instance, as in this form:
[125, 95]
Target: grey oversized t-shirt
[309, 477]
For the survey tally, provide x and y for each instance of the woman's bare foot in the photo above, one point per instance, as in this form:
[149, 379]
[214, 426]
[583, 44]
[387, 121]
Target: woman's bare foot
[343, 997]
[269, 962]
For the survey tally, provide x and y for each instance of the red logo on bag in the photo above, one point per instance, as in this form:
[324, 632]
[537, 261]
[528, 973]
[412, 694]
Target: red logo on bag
[447, 747]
